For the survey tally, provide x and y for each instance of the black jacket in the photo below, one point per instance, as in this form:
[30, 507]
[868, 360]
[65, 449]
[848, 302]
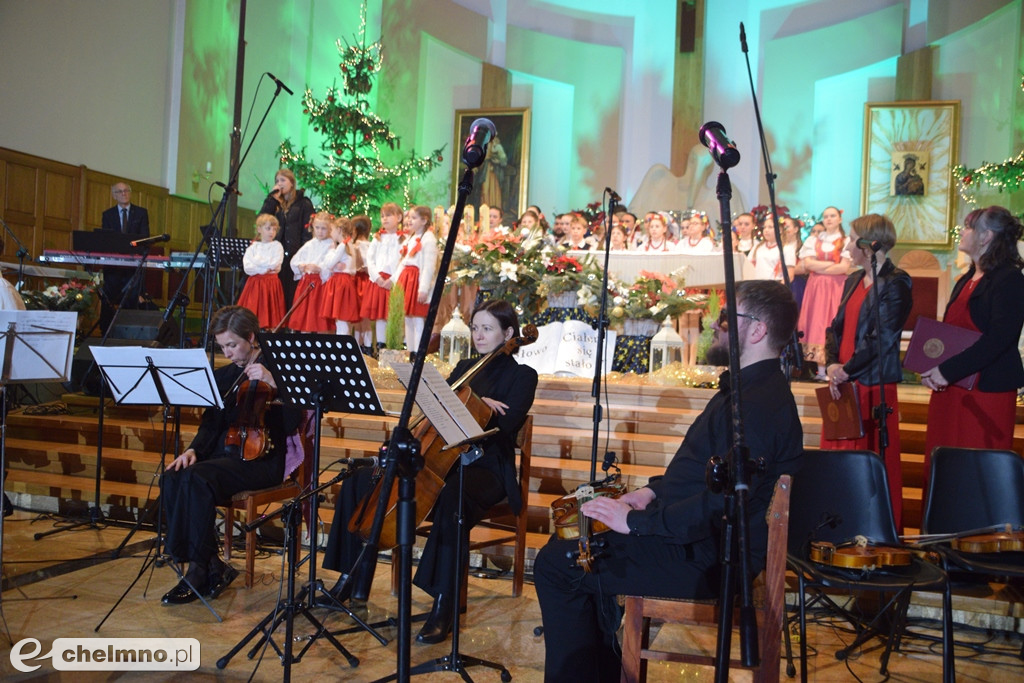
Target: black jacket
[997, 309]
[505, 380]
[895, 307]
[295, 229]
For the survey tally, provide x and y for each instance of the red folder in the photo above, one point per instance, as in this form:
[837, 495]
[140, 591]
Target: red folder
[933, 342]
[840, 418]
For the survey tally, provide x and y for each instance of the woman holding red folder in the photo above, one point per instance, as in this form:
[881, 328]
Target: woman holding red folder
[851, 343]
[986, 299]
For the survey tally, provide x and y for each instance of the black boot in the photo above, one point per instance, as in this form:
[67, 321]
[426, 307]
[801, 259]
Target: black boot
[439, 622]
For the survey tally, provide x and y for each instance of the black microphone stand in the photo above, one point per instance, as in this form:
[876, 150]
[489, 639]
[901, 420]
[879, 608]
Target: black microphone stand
[21, 254]
[735, 529]
[882, 410]
[602, 327]
[792, 356]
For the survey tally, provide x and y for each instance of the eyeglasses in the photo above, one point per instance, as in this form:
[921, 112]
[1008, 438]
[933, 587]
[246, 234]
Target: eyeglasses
[723, 319]
[125, 191]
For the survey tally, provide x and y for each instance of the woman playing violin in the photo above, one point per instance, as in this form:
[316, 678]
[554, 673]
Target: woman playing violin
[508, 388]
[209, 472]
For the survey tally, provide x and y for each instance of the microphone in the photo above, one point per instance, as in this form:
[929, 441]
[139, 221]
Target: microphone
[372, 461]
[723, 150]
[480, 133]
[279, 83]
[232, 190]
[613, 194]
[743, 38]
[868, 244]
[151, 240]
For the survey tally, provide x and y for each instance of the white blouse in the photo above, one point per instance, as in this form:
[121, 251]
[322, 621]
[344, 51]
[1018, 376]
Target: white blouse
[261, 258]
[313, 252]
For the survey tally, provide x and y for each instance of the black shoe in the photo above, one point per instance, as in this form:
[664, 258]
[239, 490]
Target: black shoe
[439, 622]
[221, 580]
[181, 594]
[342, 590]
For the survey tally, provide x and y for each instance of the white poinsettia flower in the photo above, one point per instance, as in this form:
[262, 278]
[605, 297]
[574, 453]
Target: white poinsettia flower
[508, 271]
[618, 300]
[657, 308]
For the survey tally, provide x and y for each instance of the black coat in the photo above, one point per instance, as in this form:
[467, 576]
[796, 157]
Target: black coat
[295, 229]
[894, 309]
[997, 309]
[138, 220]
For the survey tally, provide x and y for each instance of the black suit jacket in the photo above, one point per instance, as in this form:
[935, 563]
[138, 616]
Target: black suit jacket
[138, 220]
[996, 310]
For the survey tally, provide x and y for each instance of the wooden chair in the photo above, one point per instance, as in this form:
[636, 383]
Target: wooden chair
[636, 641]
[251, 501]
[497, 518]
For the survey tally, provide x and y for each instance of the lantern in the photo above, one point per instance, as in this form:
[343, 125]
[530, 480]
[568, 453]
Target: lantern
[455, 339]
[666, 347]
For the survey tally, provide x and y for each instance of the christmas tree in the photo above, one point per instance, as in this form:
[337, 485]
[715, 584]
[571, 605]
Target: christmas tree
[352, 178]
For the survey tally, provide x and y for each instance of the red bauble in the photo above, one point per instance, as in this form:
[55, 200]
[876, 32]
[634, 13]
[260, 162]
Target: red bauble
[323, 182]
[440, 158]
[388, 186]
[305, 111]
[967, 179]
[366, 136]
[338, 152]
[351, 197]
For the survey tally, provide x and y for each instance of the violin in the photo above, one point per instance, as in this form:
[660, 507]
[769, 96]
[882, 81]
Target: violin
[859, 556]
[569, 523]
[249, 432]
[1000, 542]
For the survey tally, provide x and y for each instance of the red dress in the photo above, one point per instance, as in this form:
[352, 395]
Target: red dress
[264, 296]
[868, 397]
[968, 419]
[341, 298]
[307, 316]
[409, 278]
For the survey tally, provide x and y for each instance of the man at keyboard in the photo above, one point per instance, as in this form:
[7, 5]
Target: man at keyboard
[129, 219]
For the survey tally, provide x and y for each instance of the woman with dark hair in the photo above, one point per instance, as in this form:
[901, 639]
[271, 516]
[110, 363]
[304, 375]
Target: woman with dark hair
[986, 299]
[508, 388]
[209, 472]
[851, 344]
[293, 210]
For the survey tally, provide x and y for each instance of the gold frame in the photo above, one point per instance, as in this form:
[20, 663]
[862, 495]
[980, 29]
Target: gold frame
[512, 124]
[929, 131]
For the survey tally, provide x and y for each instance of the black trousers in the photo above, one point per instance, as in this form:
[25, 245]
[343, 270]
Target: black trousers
[438, 564]
[192, 495]
[580, 611]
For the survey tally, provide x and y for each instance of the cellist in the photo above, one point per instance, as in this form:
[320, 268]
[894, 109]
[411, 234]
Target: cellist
[209, 472]
[508, 388]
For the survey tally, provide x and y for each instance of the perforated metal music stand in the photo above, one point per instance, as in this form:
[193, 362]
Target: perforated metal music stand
[229, 251]
[321, 372]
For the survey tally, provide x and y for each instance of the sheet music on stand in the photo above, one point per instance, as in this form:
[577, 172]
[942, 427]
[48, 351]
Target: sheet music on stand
[441, 406]
[186, 378]
[331, 365]
[229, 251]
[42, 346]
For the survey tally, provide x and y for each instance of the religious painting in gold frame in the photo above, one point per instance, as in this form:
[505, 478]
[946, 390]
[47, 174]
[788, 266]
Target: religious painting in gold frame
[502, 179]
[910, 149]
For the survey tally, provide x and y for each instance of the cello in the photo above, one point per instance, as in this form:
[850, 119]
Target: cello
[438, 458]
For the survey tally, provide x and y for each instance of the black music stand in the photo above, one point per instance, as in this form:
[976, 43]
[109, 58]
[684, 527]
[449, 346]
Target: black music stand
[229, 251]
[36, 347]
[171, 378]
[321, 372]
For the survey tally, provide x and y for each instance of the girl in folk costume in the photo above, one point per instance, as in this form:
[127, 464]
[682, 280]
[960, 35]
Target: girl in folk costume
[417, 270]
[381, 264]
[825, 258]
[306, 264]
[263, 293]
[695, 238]
[657, 235]
[361, 227]
[341, 296]
[765, 255]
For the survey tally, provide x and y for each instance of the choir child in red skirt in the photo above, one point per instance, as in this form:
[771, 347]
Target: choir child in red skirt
[263, 294]
[306, 264]
[416, 272]
[340, 299]
[381, 264]
[361, 227]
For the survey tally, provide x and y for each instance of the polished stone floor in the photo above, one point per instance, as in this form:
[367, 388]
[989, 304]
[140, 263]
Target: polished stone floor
[63, 585]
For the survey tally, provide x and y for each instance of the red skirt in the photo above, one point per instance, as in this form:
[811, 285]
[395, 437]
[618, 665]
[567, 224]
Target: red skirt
[264, 296]
[374, 305]
[340, 299]
[307, 316]
[969, 419]
[410, 281]
[868, 397]
[362, 284]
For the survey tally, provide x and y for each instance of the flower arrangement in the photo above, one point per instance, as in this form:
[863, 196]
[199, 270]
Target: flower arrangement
[593, 214]
[653, 296]
[73, 295]
[504, 266]
[562, 274]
